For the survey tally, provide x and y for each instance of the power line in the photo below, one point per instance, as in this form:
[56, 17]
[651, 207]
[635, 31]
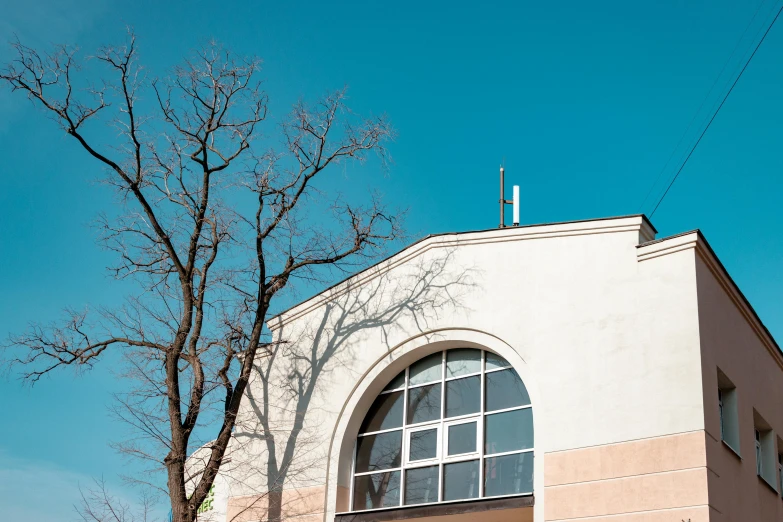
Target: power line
[703, 102]
[717, 111]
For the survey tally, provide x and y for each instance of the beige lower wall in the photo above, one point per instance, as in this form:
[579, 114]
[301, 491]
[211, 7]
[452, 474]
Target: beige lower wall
[660, 479]
[694, 514]
[299, 505]
[306, 505]
[648, 480]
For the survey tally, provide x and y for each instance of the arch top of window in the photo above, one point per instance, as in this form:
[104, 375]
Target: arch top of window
[459, 362]
[454, 425]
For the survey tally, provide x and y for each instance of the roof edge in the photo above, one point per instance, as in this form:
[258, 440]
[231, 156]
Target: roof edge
[703, 248]
[745, 301]
[284, 317]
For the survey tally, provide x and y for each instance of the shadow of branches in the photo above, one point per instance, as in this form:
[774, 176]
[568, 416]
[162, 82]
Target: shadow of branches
[278, 453]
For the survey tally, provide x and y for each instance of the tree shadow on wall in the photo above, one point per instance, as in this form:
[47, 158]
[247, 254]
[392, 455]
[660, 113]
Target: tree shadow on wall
[280, 445]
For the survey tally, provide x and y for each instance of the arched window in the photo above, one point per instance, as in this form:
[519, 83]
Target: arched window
[454, 426]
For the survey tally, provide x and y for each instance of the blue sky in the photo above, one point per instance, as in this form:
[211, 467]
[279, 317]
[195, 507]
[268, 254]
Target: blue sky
[584, 100]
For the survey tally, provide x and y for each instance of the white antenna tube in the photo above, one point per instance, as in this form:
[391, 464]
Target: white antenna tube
[516, 205]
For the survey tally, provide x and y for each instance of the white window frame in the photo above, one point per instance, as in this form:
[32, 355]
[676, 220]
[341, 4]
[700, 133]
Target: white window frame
[478, 420]
[441, 426]
[720, 413]
[728, 413]
[759, 454]
[780, 473]
[406, 446]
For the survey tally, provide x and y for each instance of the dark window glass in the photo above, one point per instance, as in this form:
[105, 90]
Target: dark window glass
[377, 452]
[396, 383]
[424, 403]
[462, 438]
[376, 491]
[428, 369]
[508, 431]
[423, 445]
[461, 480]
[463, 396]
[505, 390]
[421, 485]
[462, 361]
[496, 361]
[385, 413]
[508, 475]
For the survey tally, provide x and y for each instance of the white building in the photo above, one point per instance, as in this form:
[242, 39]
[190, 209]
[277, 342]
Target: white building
[580, 371]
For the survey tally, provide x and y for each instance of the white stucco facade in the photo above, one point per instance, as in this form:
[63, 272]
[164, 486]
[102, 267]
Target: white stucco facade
[601, 322]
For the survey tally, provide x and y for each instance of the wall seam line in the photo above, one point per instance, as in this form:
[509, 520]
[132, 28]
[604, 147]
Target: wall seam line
[624, 442]
[593, 517]
[610, 479]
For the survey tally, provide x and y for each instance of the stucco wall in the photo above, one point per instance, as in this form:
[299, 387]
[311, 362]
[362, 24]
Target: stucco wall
[606, 342]
[733, 341]
[656, 479]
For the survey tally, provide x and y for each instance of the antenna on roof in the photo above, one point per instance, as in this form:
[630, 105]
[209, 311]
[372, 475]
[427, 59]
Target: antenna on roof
[503, 201]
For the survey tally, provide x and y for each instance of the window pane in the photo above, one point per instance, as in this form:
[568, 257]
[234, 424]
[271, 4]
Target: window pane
[397, 382]
[427, 370]
[462, 361]
[385, 413]
[462, 438]
[496, 361]
[461, 480]
[463, 396]
[421, 485]
[505, 390]
[508, 475]
[423, 445]
[376, 491]
[376, 452]
[424, 403]
[509, 431]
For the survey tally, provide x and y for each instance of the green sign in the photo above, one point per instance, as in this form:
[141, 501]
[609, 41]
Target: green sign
[207, 504]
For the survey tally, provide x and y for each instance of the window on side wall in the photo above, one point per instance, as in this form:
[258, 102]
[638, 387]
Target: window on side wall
[766, 454]
[780, 469]
[759, 456]
[727, 411]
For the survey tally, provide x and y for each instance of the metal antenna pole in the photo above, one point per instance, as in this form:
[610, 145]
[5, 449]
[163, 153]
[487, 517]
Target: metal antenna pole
[502, 199]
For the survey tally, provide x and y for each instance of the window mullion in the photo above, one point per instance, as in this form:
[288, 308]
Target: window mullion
[492, 370]
[441, 484]
[462, 376]
[510, 452]
[512, 408]
[442, 452]
[404, 436]
[480, 426]
[379, 432]
[377, 471]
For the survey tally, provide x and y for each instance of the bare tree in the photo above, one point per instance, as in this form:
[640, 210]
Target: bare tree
[213, 229]
[98, 505]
